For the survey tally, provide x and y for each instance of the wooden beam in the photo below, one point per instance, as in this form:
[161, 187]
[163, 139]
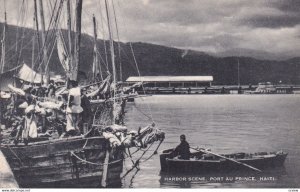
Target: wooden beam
[74, 75]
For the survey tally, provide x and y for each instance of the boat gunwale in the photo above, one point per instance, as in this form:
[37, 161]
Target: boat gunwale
[194, 160]
[52, 141]
[283, 154]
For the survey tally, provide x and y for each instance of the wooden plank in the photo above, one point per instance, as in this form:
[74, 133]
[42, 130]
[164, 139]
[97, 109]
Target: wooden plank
[51, 148]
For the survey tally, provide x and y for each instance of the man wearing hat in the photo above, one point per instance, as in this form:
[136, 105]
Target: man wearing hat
[183, 149]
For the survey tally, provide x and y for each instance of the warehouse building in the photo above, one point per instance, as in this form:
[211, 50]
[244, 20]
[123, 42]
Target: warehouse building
[172, 81]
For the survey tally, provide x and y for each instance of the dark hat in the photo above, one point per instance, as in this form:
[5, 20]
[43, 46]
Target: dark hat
[182, 136]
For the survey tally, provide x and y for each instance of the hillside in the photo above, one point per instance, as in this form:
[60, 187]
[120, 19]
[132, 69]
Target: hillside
[160, 60]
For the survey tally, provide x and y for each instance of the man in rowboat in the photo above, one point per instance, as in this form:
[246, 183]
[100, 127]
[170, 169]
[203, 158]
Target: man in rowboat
[183, 149]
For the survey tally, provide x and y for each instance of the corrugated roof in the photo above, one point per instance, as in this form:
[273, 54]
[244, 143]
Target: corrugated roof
[170, 78]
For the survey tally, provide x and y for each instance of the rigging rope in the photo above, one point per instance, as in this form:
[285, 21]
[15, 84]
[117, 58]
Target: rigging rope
[23, 15]
[137, 162]
[134, 58]
[87, 15]
[138, 71]
[92, 163]
[154, 153]
[119, 45]
[102, 25]
[54, 24]
[49, 32]
[150, 118]
[15, 154]
[47, 64]
[14, 56]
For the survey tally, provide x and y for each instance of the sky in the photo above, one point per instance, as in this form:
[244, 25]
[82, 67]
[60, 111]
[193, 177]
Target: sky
[213, 26]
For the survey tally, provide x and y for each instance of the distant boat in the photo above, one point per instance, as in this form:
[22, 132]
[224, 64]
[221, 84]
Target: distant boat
[263, 88]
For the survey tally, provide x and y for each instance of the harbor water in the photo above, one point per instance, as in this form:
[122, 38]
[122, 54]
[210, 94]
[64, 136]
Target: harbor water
[225, 124]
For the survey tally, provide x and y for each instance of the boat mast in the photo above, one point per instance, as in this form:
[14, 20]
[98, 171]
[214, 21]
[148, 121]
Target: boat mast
[44, 60]
[239, 84]
[2, 60]
[37, 30]
[69, 21]
[33, 46]
[119, 44]
[3, 41]
[112, 53]
[105, 168]
[95, 62]
[74, 75]
[95, 49]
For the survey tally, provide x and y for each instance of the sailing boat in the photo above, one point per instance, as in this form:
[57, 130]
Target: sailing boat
[94, 159]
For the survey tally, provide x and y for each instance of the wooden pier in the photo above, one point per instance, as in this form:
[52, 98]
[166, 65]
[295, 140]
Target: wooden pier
[220, 89]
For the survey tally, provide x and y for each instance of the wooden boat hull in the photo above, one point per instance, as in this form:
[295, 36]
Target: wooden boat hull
[70, 162]
[218, 165]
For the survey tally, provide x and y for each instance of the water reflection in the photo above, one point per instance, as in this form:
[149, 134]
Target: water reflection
[226, 124]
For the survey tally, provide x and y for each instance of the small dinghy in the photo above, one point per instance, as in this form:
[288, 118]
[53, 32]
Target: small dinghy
[204, 161]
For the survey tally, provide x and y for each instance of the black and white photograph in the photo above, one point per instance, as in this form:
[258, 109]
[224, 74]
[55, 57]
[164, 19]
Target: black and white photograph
[149, 94]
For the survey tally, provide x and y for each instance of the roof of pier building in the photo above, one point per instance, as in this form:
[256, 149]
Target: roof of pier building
[170, 79]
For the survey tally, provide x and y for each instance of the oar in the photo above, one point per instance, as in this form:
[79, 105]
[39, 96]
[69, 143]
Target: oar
[249, 166]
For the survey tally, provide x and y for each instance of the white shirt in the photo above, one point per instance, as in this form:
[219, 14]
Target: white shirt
[76, 103]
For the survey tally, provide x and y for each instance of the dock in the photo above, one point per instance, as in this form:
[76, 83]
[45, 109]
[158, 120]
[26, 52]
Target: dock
[7, 179]
[219, 89]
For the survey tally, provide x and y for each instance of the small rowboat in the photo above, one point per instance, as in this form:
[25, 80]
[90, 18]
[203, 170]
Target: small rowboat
[203, 162]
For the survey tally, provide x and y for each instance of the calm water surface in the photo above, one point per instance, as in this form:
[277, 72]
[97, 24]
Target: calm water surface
[223, 123]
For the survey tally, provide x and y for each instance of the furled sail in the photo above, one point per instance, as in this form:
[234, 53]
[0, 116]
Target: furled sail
[62, 53]
[96, 70]
[103, 88]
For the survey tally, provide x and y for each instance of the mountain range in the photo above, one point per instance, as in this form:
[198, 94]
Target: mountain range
[154, 59]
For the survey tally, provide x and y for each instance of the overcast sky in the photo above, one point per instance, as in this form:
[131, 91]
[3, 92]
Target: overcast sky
[205, 25]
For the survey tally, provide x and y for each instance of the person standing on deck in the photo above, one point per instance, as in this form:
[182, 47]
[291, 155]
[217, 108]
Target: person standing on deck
[30, 130]
[183, 149]
[73, 109]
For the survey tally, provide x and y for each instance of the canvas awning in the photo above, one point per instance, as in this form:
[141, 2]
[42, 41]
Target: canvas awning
[21, 72]
[27, 74]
